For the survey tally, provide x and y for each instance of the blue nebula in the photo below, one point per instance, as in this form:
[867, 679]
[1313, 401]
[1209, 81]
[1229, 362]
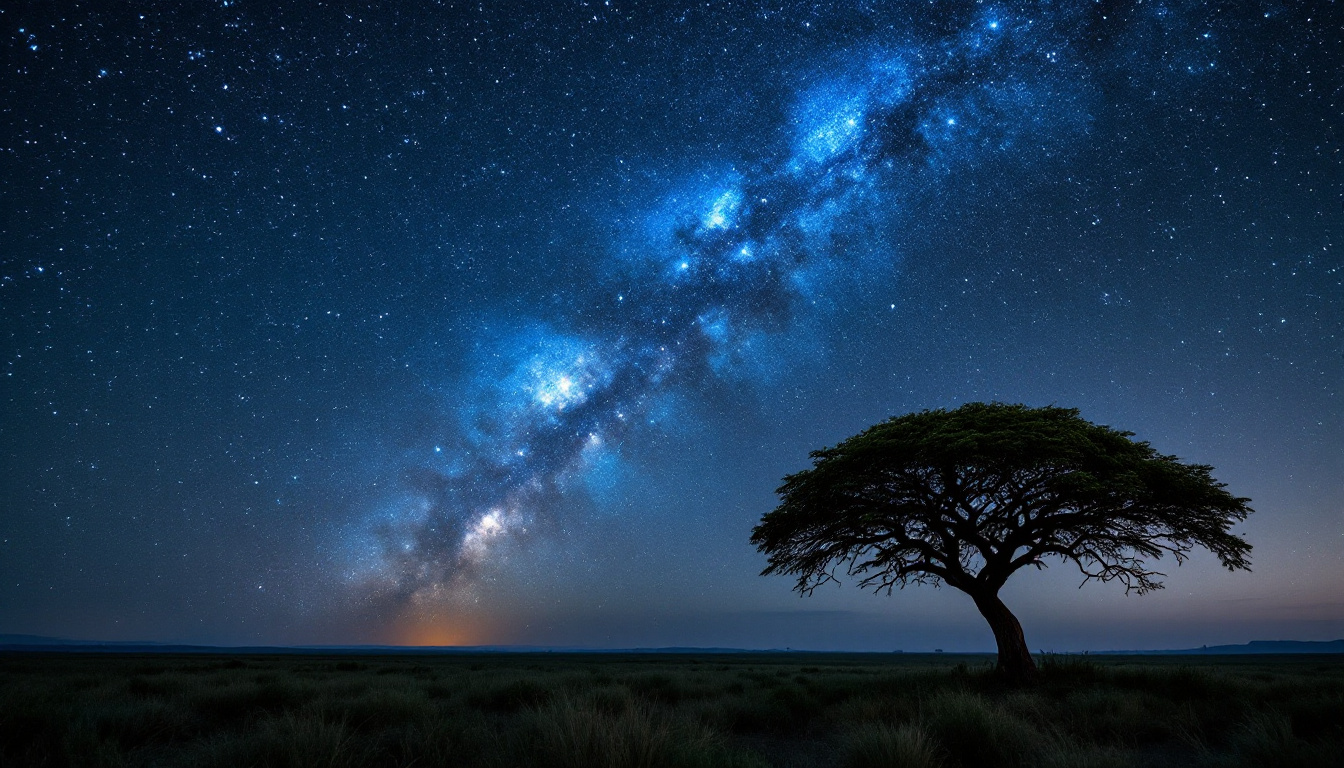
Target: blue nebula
[724, 262]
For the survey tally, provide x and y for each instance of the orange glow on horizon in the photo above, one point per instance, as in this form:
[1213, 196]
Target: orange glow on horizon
[440, 630]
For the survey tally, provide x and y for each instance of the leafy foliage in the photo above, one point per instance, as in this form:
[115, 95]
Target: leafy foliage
[969, 496]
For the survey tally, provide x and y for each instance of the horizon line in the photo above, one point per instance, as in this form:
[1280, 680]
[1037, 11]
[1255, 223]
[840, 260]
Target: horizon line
[26, 642]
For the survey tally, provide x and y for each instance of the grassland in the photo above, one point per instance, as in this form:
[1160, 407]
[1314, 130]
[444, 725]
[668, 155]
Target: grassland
[610, 711]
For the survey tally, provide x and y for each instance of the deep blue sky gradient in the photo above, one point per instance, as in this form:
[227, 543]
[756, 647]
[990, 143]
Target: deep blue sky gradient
[471, 323]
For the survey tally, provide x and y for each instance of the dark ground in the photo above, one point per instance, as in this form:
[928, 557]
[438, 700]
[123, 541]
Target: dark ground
[582, 710]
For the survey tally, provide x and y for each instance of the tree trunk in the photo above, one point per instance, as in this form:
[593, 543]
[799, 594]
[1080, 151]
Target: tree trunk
[1014, 657]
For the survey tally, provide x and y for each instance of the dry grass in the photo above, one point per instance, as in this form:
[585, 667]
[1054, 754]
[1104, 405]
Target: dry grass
[614, 711]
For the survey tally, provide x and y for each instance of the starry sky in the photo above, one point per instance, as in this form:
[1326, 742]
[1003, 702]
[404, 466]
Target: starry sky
[480, 323]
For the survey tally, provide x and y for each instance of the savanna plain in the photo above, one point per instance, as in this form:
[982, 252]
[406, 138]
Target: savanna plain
[618, 710]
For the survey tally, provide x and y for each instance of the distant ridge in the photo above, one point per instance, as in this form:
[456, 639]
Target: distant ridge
[1255, 647]
[34, 640]
[42, 644]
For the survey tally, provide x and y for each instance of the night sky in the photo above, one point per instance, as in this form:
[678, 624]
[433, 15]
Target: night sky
[499, 324]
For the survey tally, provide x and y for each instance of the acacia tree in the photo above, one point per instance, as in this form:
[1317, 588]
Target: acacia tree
[968, 497]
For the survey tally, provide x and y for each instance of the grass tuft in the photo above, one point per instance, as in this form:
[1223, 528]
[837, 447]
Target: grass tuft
[877, 745]
[575, 732]
[976, 732]
[291, 740]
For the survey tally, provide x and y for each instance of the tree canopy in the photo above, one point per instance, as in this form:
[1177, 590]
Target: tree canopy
[969, 496]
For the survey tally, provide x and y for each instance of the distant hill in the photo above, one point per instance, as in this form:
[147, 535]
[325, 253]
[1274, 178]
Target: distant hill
[39, 643]
[1255, 647]
[34, 640]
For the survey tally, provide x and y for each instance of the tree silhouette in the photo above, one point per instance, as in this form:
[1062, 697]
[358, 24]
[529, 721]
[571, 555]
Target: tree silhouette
[967, 497]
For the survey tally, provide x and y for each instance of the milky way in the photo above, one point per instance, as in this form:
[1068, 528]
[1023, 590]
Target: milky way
[725, 257]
